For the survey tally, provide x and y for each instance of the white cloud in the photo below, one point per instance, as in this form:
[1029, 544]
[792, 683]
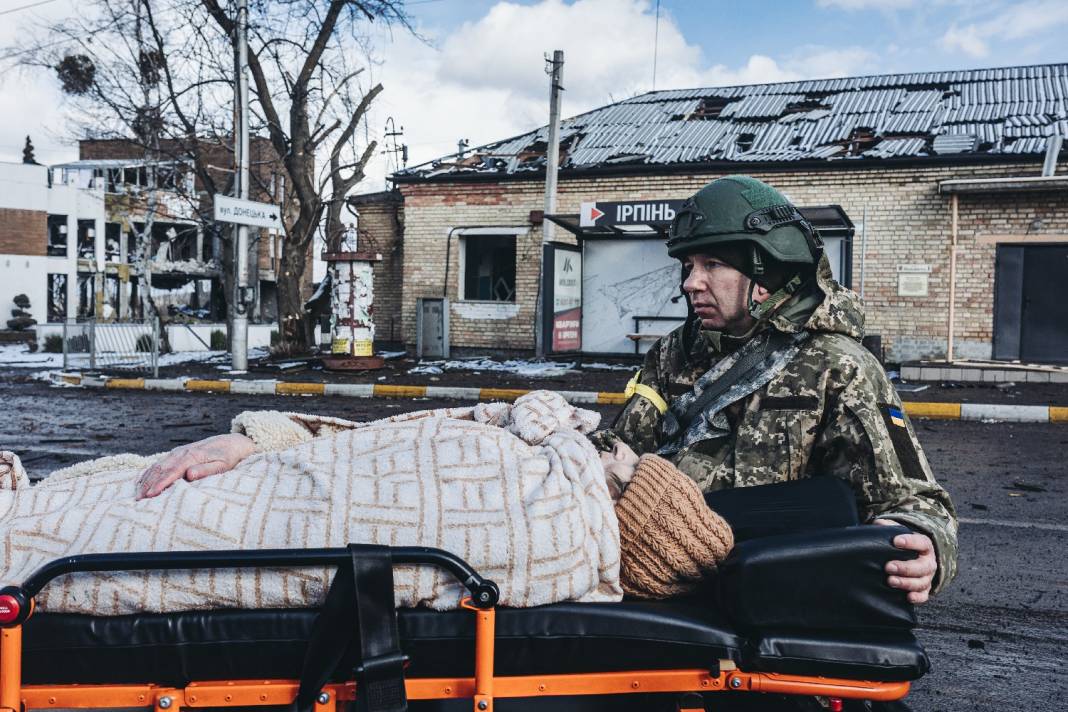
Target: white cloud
[867, 4]
[759, 69]
[487, 80]
[30, 97]
[1016, 22]
[822, 62]
[966, 39]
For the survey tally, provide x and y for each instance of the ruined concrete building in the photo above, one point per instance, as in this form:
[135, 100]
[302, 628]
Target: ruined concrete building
[69, 237]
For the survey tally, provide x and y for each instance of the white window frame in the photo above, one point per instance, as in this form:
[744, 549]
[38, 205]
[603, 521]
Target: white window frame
[512, 233]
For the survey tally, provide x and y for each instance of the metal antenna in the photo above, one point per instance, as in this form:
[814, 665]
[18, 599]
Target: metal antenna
[656, 41]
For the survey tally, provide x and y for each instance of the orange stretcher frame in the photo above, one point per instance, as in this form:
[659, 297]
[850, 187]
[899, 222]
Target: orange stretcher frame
[17, 604]
[482, 689]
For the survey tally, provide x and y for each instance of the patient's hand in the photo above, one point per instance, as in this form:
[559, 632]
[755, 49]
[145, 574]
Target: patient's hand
[619, 464]
[195, 461]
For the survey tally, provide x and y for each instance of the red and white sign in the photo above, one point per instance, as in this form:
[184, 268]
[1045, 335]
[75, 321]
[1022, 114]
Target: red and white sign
[567, 300]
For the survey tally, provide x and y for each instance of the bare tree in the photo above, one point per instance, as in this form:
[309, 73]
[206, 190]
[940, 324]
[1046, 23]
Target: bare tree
[144, 73]
[161, 75]
[305, 89]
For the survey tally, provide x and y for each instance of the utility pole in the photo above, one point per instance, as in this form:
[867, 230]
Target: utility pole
[239, 334]
[552, 164]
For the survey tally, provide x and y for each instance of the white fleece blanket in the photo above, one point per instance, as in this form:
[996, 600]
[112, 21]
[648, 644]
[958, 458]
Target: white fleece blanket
[516, 490]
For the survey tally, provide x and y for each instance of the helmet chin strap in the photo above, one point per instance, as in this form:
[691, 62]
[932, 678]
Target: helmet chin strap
[764, 310]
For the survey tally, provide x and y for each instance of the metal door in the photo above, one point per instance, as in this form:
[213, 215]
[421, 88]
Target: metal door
[432, 327]
[1044, 317]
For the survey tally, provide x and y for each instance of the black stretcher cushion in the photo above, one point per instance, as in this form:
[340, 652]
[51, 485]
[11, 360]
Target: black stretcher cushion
[177, 648]
[833, 579]
[794, 507]
[897, 657]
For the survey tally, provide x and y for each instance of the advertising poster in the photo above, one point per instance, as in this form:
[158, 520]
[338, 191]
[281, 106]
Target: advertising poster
[565, 296]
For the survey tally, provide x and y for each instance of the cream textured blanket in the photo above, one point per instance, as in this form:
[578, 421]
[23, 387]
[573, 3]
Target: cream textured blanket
[516, 490]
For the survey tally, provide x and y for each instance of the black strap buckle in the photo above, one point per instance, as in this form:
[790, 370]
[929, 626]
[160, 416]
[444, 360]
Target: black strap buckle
[380, 683]
[380, 666]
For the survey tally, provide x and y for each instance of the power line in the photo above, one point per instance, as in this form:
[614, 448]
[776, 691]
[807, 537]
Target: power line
[26, 7]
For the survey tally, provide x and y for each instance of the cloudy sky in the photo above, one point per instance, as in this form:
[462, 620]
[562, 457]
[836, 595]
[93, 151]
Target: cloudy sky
[480, 74]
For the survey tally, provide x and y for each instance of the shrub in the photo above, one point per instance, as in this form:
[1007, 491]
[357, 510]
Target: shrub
[53, 344]
[76, 344]
[217, 341]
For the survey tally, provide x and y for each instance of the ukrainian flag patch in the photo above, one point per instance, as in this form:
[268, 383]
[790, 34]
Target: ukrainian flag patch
[896, 416]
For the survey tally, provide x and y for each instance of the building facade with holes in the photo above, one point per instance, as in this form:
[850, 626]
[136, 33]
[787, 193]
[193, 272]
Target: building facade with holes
[68, 239]
[954, 181]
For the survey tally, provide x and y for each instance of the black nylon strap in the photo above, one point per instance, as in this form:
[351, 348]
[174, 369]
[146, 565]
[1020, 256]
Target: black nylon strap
[380, 674]
[358, 607]
[774, 341]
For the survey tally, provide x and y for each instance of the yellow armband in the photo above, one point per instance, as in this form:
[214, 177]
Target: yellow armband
[640, 389]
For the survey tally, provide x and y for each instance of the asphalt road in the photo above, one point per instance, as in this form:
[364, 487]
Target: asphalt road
[998, 637]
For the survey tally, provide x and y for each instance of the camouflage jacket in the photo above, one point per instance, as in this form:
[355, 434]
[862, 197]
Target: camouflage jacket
[830, 411]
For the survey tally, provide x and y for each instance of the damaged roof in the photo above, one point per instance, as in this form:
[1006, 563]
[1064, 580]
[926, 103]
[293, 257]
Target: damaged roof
[1009, 110]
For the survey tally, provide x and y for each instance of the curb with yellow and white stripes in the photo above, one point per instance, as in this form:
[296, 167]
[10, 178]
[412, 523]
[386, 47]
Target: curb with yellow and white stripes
[937, 411]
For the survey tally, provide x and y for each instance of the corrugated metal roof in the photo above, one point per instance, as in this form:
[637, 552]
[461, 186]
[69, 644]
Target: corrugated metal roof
[1005, 110]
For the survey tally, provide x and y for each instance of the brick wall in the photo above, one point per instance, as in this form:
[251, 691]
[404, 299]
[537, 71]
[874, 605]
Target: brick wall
[23, 232]
[908, 222]
[380, 227]
[263, 160]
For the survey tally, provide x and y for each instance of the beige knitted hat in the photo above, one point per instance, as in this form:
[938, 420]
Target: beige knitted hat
[669, 538]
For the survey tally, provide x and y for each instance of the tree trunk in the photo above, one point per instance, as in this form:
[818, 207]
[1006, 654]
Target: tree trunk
[292, 329]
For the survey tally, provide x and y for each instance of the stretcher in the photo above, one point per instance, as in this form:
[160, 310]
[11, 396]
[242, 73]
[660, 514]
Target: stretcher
[823, 639]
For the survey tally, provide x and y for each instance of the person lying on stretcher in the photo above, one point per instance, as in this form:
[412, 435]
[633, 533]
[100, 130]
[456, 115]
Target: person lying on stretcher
[218, 454]
[517, 490]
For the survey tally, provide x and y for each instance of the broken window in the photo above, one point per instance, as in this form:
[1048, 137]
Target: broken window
[86, 296]
[57, 235]
[489, 268]
[114, 180]
[86, 239]
[112, 290]
[57, 298]
[112, 242]
[135, 175]
[174, 242]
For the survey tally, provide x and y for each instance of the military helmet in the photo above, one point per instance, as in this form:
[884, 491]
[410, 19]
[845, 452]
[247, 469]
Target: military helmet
[739, 209]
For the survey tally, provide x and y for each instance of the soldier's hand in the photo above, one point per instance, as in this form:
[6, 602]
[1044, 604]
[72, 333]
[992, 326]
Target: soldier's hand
[915, 575]
[211, 456]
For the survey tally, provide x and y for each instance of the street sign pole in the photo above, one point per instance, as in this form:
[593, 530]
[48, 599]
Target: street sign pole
[239, 334]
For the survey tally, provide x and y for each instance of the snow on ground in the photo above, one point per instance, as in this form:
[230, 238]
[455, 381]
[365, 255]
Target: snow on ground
[20, 356]
[597, 366]
[530, 369]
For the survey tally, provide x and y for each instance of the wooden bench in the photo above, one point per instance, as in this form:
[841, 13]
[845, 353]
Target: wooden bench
[638, 337]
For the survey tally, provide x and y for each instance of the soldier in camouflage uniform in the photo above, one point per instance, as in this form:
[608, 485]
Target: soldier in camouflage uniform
[813, 400]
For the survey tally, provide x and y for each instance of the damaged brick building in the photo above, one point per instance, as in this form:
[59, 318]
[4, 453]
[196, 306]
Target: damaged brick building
[954, 181]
